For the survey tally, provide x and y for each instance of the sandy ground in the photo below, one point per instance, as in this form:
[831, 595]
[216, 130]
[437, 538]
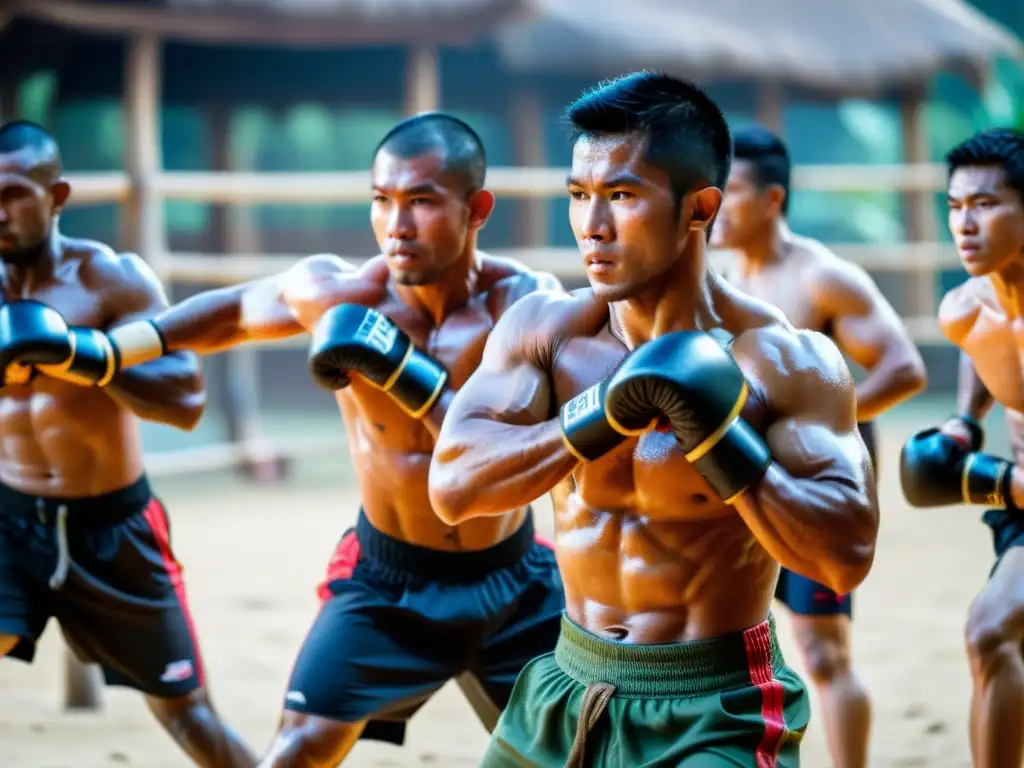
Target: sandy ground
[253, 556]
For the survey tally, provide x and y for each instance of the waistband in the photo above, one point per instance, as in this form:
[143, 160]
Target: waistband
[695, 668]
[401, 560]
[84, 512]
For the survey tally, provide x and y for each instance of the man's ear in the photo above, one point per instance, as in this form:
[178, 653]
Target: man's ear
[704, 206]
[481, 206]
[776, 198]
[60, 192]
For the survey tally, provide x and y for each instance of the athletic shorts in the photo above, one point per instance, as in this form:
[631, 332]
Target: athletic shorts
[398, 621]
[806, 597]
[1007, 526]
[725, 701]
[104, 569]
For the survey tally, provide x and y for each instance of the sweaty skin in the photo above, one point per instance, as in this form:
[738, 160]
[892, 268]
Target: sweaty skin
[648, 553]
[818, 291]
[390, 450]
[60, 440]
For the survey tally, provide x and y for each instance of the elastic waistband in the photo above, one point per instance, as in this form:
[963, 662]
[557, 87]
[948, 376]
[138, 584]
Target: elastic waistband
[402, 560]
[89, 512]
[695, 668]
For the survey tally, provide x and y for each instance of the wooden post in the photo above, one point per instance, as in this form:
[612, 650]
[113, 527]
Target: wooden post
[422, 80]
[770, 106]
[235, 232]
[527, 120]
[145, 230]
[920, 220]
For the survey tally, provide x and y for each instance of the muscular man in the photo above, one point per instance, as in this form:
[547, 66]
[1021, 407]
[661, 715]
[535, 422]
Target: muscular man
[82, 537]
[984, 317]
[820, 292]
[708, 441]
[409, 602]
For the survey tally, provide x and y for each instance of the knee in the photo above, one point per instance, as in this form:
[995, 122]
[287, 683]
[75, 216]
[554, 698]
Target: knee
[7, 643]
[827, 658]
[993, 638]
[178, 714]
[310, 742]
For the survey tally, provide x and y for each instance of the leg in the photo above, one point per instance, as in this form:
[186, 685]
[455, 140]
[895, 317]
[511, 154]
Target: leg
[82, 684]
[308, 741]
[821, 623]
[195, 726]
[124, 606]
[846, 708]
[995, 633]
[359, 662]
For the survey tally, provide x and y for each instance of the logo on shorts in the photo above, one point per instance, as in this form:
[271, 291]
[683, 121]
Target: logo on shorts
[177, 671]
[296, 697]
[377, 331]
[581, 407]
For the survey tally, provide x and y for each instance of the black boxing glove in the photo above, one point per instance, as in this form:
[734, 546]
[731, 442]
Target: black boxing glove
[31, 333]
[353, 338]
[936, 470]
[695, 385]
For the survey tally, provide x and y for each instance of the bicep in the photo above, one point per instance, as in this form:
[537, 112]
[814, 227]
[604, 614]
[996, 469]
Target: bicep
[864, 324]
[505, 388]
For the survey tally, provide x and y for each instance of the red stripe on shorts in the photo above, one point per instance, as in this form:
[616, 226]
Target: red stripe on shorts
[343, 563]
[156, 516]
[757, 641]
[544, 542]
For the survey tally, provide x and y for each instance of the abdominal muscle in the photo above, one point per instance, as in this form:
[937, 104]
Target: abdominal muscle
[61, 441]
[636, 580]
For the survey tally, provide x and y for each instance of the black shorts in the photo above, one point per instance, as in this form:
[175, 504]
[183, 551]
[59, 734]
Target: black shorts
[806, 597]
[1007, 526]
[115, 588]
[399, 621]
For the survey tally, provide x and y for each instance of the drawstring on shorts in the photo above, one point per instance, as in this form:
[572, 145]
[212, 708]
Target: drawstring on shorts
[60, 573]
[595, 701]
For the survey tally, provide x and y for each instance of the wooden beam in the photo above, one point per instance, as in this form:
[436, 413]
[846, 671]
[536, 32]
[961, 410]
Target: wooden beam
[920, 221]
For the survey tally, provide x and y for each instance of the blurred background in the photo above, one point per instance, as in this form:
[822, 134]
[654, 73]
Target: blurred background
[223, 139]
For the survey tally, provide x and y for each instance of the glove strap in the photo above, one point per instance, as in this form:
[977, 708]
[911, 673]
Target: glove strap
[987, 480]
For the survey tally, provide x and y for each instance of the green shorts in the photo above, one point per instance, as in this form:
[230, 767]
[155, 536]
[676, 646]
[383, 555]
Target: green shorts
[725, 701]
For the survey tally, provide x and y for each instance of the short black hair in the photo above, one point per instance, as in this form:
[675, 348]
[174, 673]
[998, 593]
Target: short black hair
[461, 147]
[993, 146]
[19, 135]
[685, 132]
[768, 155]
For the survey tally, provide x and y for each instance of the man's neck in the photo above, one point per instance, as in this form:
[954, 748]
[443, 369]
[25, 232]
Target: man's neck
[22, 277]
[1008, 283]
[450, 293]
[677, 301]
[768, 249]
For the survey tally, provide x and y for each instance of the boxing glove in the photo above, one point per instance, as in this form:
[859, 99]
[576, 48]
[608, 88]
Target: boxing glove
[351, 338]
[30, 333]
[96, 357]
[937, 470]
[688, 380]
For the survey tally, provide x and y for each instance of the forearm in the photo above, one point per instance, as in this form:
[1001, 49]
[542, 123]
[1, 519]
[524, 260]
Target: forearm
[488, 468]
[435, 416]
[165, 391]
[888, 385]
[822, 528]
[206, 323]
[972, 397]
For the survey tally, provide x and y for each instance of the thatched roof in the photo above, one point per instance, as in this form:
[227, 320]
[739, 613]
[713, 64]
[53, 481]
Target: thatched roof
[281, 22]
[836, 45]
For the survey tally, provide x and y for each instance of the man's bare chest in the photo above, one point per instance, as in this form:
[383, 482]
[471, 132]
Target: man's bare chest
[995, 345]
[77, 304]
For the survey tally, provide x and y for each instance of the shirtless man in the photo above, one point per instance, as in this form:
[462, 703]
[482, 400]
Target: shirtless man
[82, 537]
[670, 543]
[819, 291]
[984, 317]
[409, 602]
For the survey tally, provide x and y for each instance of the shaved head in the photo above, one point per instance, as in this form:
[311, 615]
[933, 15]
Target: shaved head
[31, 148]
[459, 147]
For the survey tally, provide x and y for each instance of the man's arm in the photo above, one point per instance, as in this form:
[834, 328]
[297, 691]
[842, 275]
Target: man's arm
[868, 330]
[815, 509]
[169, 390]
[973, 399]
[499, 448]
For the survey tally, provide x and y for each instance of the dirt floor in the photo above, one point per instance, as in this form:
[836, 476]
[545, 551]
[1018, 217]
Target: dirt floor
[253, 556]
